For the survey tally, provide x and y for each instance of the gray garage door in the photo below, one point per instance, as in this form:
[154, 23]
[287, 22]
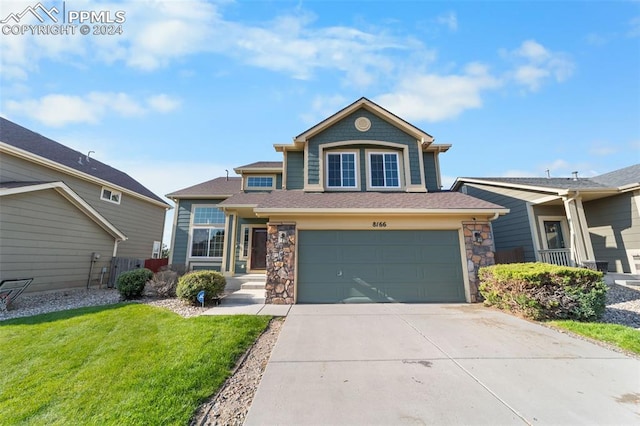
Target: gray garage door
[379, 266]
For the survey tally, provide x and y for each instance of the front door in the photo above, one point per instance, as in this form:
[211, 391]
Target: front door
[553, 234]
[258, 248]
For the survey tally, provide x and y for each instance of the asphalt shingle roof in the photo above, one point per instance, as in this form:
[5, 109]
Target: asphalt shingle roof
[620, 177]
[263, 165]
[617, 178]
[298, 199]
[218, 187]
[27, 140]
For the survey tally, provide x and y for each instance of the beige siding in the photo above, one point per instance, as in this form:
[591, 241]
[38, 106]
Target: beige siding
[44, 237]
[140, 221]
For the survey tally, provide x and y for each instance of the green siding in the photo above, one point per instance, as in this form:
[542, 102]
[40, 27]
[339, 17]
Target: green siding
[295, 169]
[279, 181]
[180, 249]
[512, 230]
[380, 130]
[228, 241]
[430, 171]
[379, 266]
[614, 226]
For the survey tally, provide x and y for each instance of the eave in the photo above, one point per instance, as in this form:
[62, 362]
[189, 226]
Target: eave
[26, 155]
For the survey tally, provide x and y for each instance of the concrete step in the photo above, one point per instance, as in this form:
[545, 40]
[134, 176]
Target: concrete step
[244, 297]
[238, 281]
[253, 285]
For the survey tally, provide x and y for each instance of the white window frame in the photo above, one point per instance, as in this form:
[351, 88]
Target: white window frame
[194, 226]
[260, 188]
[156, 251]
[356, 166]
[114, 196]
[564, 226]
[384, 171]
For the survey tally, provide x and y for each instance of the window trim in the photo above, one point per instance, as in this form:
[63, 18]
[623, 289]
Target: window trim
[356, 163]
[246, 187]
[110, 198]
[156, 250]
[370, 170]
[193, 226]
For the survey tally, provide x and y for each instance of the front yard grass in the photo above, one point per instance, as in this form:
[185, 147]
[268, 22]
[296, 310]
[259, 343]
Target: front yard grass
[624, 337]
[120, 364]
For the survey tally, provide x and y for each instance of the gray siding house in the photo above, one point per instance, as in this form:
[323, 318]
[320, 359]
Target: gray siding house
[352, 213]
[65, 215]
[567, 221]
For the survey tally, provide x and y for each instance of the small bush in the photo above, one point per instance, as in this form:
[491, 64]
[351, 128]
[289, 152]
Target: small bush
[543, 291]
[130, 284]
[164, 283]
[189, 285]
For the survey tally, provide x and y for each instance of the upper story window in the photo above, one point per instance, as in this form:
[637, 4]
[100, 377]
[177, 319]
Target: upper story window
[110, 195]
[384, 170]
[207, 232]
[259, 182]
[341, 170]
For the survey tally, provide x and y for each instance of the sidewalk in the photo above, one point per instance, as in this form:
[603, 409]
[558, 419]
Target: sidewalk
[247, 302]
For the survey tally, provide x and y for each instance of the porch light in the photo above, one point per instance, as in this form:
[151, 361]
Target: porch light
[477, 237]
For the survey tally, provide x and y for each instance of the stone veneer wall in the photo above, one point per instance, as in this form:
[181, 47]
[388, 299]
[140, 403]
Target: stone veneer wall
[281, 241]
[478, 253]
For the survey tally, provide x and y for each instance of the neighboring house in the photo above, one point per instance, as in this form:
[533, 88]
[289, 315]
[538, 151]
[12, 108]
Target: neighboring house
[64, 215]
[353, 213]
[567, 221]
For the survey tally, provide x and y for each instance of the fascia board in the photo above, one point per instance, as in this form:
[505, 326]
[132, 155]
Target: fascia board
[4, 147]
[370, 211]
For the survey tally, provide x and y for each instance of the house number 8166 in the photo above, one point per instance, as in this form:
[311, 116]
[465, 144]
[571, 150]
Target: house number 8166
[379, 224]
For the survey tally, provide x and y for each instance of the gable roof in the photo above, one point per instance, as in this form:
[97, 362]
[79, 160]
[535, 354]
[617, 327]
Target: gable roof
[26, 143]
[217, 188]
[604, 185]
[11, 188]
[373, 108]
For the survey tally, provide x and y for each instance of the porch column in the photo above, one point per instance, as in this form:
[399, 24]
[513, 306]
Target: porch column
[582, 250]
[281, 263]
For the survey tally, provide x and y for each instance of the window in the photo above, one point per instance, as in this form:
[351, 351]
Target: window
[155, 252]
[341, 170]
[384, 170]
[245, 242]
[207, 233]
[260, 182]
[110, 195]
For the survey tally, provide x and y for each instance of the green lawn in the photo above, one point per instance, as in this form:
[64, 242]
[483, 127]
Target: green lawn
[121, 364]
[624, 337]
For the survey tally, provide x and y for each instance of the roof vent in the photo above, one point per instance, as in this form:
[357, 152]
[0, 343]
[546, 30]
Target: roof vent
[575, 175]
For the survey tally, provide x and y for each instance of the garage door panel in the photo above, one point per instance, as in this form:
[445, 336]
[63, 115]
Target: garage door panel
[379, 266]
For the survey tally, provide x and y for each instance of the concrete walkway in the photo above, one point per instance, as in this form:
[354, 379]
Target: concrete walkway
[247, 302]
[394, 364]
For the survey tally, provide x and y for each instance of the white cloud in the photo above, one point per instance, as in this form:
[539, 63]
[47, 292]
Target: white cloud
[163, 103]
[58, 110]
[534, 65]
[449, 19]
[154, 37]
[434, 97]
[324, 106]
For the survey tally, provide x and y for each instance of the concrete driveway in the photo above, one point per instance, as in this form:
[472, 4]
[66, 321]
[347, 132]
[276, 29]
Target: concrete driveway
[395, 364]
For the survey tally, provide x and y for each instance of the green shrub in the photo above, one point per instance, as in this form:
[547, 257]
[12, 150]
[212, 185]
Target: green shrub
[543, 291]
[189, 285]
[130, 284]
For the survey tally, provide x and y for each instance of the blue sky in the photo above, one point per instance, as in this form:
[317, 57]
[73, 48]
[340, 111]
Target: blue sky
[190, 89]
